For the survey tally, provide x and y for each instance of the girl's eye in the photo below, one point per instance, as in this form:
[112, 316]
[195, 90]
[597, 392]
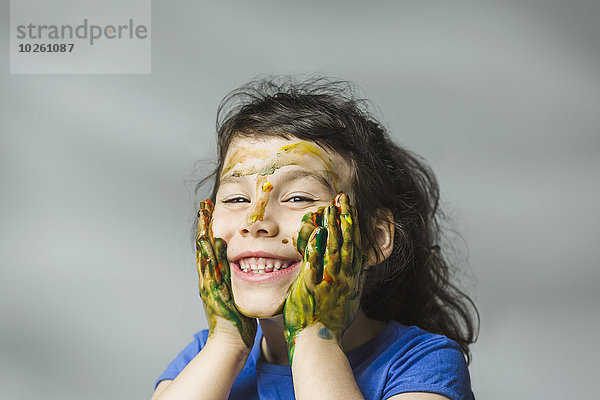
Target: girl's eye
[298, 199]
[236, 200]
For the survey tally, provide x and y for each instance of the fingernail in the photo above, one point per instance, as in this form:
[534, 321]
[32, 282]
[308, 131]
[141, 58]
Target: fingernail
[341, 198]
[206, 205]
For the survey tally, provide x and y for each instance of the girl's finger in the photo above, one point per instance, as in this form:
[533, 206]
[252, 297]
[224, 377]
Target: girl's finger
[342, 202]
[222, 271]
[356, 268]
[224, 295]
[312, 263]
[304, 234]
[204, 218]
[203, 223]
[199, 263]
[309, 222]
[207, 259]
[331, 258]
[354, 214]
[347, 225]
[207, 205]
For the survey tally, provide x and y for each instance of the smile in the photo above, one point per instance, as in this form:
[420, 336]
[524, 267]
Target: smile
[262, 265]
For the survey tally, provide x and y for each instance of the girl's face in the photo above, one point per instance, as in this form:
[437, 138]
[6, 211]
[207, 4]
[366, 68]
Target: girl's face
[267, 185]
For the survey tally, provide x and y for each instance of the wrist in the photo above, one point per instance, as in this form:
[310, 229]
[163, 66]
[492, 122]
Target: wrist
[316, 357]
[315, 347]
[228, 349]
[226, 335]
[317, 334]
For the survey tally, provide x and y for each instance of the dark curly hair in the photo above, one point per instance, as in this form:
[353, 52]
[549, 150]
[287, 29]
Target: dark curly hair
[413, 285]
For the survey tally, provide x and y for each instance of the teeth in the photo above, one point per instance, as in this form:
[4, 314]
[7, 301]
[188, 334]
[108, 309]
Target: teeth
[261, 265]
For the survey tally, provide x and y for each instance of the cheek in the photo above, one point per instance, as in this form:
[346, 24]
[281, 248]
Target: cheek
[217, 228]
[290, 225]
[221, 224]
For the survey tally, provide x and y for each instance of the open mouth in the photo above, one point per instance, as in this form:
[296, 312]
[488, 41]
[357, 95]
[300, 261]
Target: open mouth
[262, 265]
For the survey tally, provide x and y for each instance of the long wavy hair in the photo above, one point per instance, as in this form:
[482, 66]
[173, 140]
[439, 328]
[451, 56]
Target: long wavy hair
[413, 285]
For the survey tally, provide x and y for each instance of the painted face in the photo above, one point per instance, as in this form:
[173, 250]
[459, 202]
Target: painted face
[267, 185]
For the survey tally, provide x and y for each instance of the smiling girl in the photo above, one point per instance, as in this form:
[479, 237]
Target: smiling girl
[325, 232]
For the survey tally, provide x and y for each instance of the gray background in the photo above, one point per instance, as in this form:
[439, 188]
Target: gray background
[98, 287]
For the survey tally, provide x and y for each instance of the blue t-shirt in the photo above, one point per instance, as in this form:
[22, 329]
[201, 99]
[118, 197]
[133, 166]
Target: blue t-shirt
[399, 359]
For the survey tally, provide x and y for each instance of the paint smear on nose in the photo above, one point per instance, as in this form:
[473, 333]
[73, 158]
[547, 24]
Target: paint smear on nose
[263, 187]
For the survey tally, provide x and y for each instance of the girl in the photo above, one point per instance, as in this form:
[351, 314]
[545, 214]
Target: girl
[342, 312]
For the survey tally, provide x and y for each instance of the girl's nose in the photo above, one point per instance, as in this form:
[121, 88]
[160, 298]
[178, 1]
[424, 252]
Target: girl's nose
[259, 223]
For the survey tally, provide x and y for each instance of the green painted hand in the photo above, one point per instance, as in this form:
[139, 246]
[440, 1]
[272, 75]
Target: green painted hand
[327, 290]
[215, 279]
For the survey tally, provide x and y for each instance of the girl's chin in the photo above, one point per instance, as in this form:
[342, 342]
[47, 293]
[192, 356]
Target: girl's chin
[260, 301]
[260, 312]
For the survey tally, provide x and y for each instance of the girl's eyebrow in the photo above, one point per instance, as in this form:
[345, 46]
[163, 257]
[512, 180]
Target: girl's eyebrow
[286, 176]
[296, 174]
[232, 179]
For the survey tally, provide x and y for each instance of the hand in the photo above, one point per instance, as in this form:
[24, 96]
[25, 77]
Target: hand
[327, 289]
[215, 279]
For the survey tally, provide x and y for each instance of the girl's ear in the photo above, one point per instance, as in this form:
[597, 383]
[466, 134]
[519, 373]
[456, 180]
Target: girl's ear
[384, 237]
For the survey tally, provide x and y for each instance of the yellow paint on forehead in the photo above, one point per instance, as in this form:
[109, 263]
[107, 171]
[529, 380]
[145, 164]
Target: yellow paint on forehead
[243, 154]
[302, 148]
[285, 155]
